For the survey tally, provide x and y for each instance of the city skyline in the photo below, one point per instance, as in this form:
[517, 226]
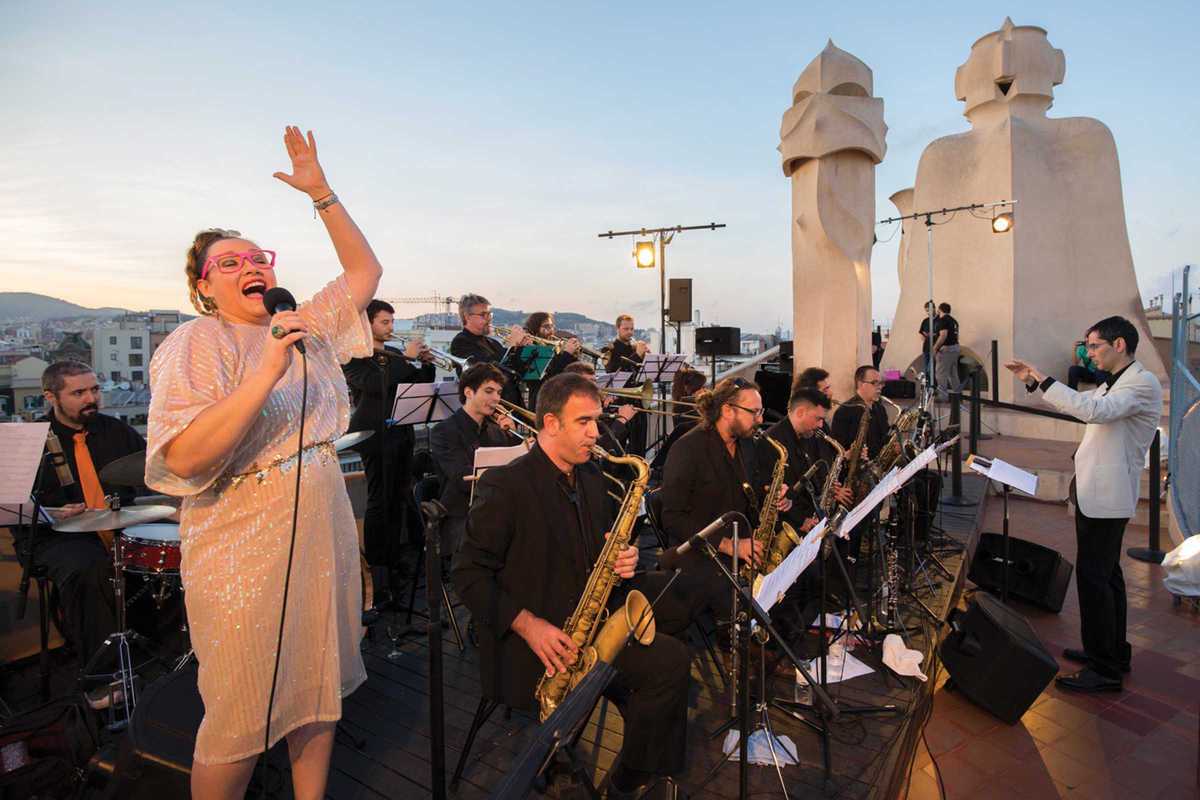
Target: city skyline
[486, 154]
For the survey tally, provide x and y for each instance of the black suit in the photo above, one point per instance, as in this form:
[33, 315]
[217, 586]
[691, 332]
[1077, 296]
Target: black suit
[531, 542]
[623, 357]
[482, 349]
[700, 483]
[77, 563]
[387, 456]
[844, 427]
[453, 442]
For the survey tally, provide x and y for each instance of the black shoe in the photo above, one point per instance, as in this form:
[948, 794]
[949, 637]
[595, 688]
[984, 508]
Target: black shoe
[1072, 654]
[1088, 680]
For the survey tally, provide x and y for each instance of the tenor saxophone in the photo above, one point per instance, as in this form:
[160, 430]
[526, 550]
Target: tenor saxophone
[596, 643]
[775, 544]
[828, 500]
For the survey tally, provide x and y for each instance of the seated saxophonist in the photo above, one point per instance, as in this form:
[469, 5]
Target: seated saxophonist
[534, 534]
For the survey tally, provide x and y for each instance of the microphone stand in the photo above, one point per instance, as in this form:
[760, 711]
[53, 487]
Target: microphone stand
[745, 609]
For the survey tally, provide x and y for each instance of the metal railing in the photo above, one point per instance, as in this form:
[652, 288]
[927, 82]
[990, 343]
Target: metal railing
[1183, 440]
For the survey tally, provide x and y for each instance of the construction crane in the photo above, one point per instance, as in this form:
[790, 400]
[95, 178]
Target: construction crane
[437, 300]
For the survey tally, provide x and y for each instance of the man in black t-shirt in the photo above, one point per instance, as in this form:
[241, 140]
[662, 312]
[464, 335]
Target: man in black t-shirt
[923, 332]
[945, 350]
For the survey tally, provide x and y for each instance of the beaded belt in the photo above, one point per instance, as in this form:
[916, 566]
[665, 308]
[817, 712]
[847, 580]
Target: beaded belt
[324, 450]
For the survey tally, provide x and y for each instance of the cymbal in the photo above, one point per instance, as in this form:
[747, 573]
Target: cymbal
[102, 519]
[351, 440]
[127, 470]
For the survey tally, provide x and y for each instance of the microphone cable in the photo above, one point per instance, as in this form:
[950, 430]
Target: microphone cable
[287, 579]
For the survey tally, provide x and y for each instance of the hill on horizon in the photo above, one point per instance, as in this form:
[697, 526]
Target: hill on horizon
[41, 307]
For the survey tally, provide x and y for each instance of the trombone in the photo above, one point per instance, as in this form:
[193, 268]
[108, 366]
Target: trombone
[521, 417]
[645, 398]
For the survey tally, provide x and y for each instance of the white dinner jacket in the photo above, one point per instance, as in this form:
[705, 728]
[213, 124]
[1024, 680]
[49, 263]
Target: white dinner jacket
[1121, 422]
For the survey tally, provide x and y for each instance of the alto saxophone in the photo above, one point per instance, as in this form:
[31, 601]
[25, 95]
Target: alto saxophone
[603, 643]
[775, 544]
[828, 500]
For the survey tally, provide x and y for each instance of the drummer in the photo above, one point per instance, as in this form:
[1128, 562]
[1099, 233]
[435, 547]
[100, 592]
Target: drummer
[79, 564]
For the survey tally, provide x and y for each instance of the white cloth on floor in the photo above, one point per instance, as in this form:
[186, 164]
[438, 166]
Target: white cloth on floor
[902, 660]
[758, 748]
[1183, 568]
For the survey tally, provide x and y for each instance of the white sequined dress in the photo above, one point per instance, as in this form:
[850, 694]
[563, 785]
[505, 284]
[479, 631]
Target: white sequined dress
[235, 527]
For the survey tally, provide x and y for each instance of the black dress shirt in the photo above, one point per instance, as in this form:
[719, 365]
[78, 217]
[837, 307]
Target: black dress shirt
[802, 453]
[373, 381]
[702, 481]
[845, 425]
[532, 540]
[622, 356]
[453, 443]
[108, 439]
[482, 349]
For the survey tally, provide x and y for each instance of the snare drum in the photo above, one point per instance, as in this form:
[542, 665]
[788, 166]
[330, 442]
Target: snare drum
[151, 549]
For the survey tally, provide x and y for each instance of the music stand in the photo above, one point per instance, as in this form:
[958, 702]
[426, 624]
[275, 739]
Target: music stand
[659, 368]
[532, 361]
[613, 380]
[418, 403]
[23, 444]
[1006, 475]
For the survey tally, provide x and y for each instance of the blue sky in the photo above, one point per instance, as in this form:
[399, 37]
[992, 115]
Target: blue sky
[482, 149]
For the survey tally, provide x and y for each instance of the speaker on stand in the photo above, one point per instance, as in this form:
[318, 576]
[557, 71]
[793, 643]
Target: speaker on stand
[716, 341]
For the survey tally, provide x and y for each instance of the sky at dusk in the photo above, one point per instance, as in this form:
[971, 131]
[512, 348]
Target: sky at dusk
[482, 148]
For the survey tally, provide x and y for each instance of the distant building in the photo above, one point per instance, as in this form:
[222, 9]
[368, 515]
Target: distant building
[122, 347]
[73, 347]
[21, 386]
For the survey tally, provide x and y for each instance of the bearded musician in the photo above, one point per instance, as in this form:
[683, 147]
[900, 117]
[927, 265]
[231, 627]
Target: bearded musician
[534, 532]
[624, 355]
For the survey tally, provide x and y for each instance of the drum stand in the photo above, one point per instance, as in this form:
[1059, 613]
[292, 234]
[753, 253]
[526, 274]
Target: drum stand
[122, 688]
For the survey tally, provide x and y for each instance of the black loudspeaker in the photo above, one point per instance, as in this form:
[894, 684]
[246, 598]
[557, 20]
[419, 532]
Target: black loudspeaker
[900, 389]
[995, 658]
[679, 300]
[1036, 574]
[718, 341]
[163, 732]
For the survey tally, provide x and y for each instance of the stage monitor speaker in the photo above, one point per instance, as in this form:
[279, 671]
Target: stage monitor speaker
[786, 351]
[900, 389]
[679, 300]
[995, 658]
[718, 341]
[163, 736]
[1036, 574]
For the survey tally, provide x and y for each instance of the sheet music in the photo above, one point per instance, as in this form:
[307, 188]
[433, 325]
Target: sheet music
[660, 367]
[887, 485]
[610, 380]
[416, 403]
[1006, 473]
[776, 583]
[486, 457]
[21, 445]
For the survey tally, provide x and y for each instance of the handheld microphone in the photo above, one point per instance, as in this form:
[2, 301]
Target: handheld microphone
[280, 299]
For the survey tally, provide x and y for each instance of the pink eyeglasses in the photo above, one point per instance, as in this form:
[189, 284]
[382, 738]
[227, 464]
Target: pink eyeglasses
[233, 262]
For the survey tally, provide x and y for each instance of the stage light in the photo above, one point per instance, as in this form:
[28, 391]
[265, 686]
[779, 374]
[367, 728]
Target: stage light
[643, 254]
[1002, 223]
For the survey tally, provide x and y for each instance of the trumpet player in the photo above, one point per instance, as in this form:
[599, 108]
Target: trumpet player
[540, 328]
[625, 354]
[390, 518]
[534, 533]
[454, 440]
[474, 341]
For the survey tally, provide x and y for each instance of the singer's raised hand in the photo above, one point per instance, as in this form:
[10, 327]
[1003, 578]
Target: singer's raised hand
[277, 356]
[306, 175]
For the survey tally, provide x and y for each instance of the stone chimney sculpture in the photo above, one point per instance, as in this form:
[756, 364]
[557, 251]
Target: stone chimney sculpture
[1066, 263]
[831, 139]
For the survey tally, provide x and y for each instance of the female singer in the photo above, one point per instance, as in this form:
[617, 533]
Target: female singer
[223, 430]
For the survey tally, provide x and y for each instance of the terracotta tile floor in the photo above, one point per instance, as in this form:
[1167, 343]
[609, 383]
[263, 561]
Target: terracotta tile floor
[1140, 743]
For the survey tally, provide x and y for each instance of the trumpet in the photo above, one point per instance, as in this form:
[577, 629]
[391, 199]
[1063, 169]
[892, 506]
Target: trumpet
[558, 343]
[439, 358]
